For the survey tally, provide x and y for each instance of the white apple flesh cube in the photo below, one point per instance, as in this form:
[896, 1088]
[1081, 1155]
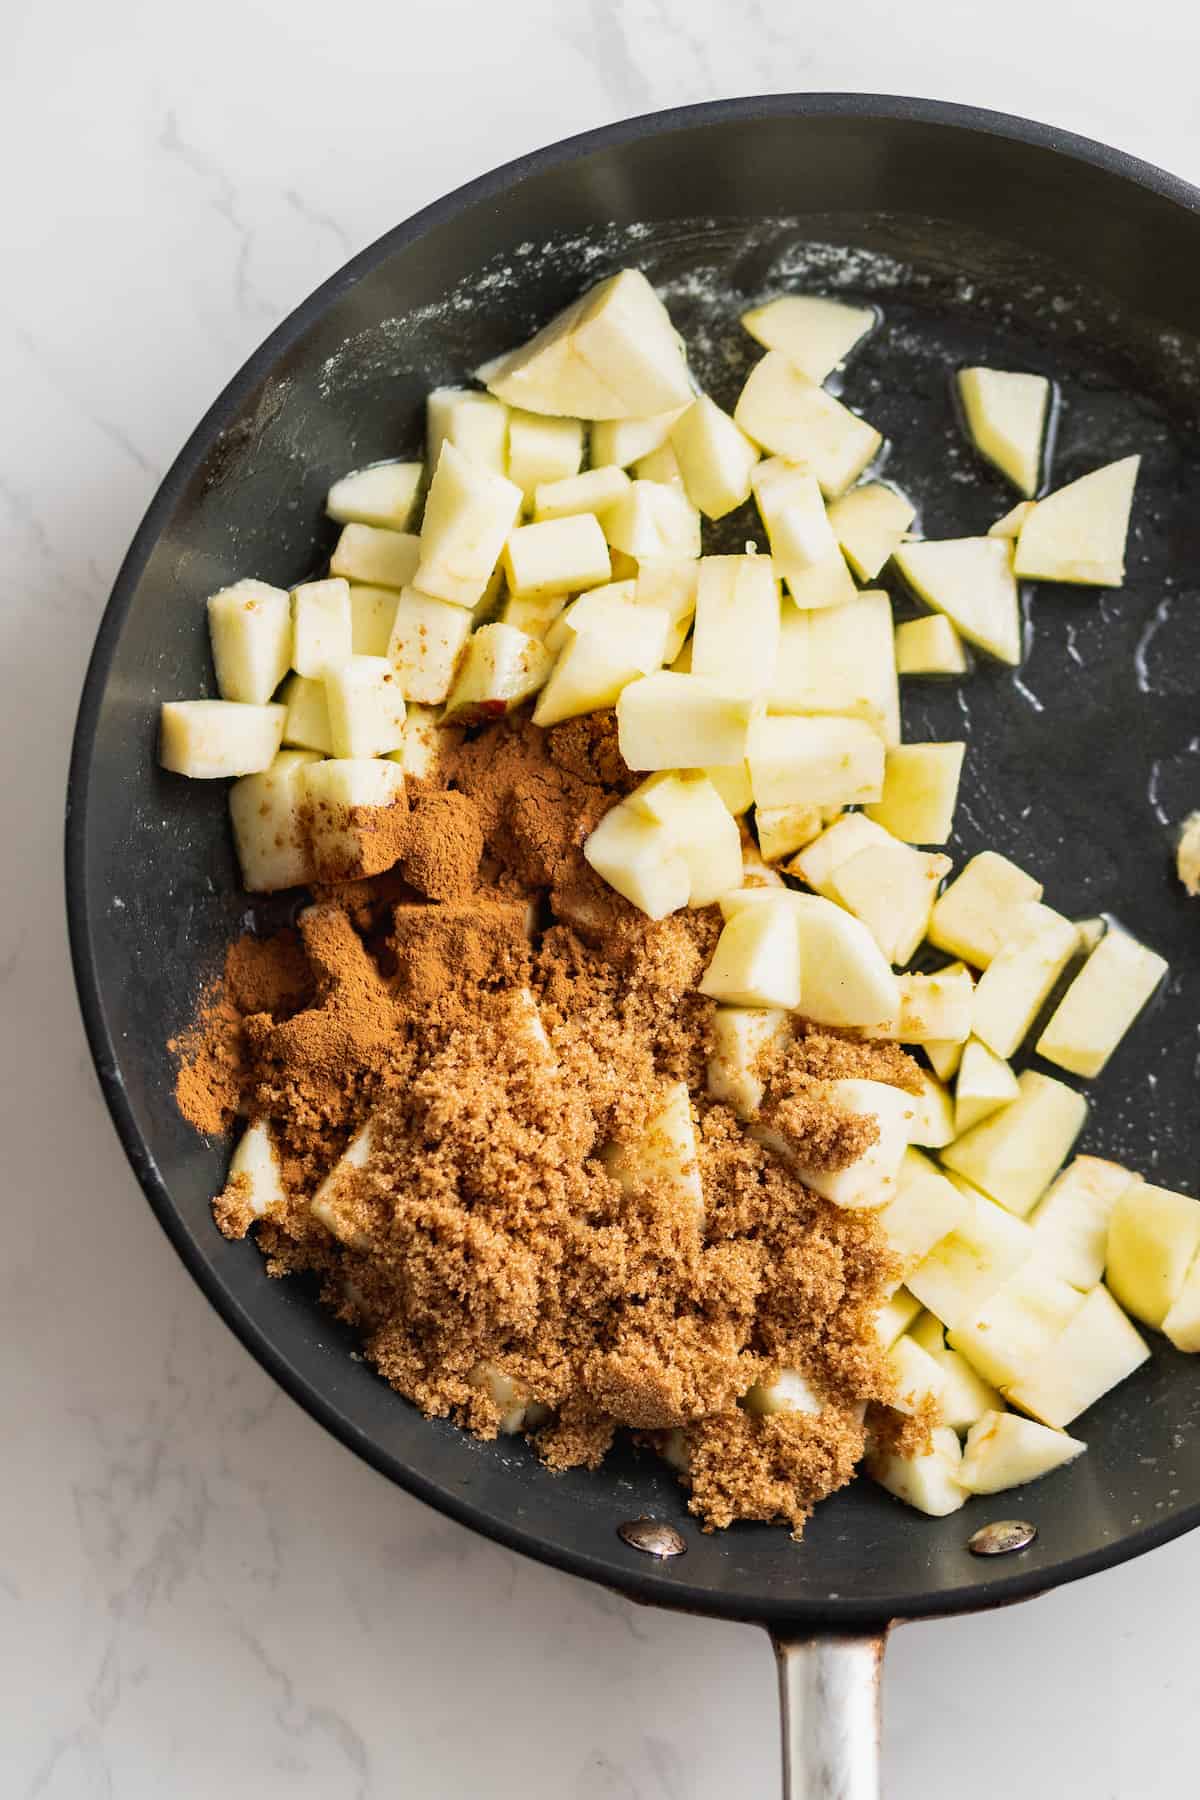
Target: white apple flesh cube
[1153, 1239]
[1020, 977]
[663, 1156]
[934, 1009]
[669, 721]
[592, 493]
[895, 1315]
[929, 1481]
[631, 853]
[803, 546]
[791, 416]
[256, 1169]
[662, 465]
[971, 580]
[602, 609]
[1078, 534]
[372, 615]
[535, 617]
[1098, 1350]
[735, 639]
[269, 830]
[1010, 525]
[781, 830]
[250, 628]
[975, 1258]
[715, 458]
[513, 1398]
[1071, 1222]
[920, 792]
[788, 1392]
[1006, 417]
[869, 523]
[476, 424]
[818, 862]
[652, 521]
[424, 740]
[468, 516]
[842, 660]
[1015, 1153]
[376, 556]
[1187, 855]
[814, 762]
[670, 583]
[891, 888]
[328, 1204]
[813, 333]
[699, 825]
[870, 1181]
[1182, 1322]
[757, 959]
[384, 494]
[599, 662]
[1016, 1327]
[733, 785]
[965, 1395]
[321, 626]
[366, 706]
[623, 442]
[944, 1056]
[846, 980]
[209, 739]
[932, 1122]
[1101, 1004]
[307, 724]
[981, 909]
[746, 1039]
[542, 450]
[1005, 1451]
[985, 1084]
[918, 1381]
[349, 805]
[929, 646]
[923, 1210]
[560, 556]
[428, 638]
[501, 668]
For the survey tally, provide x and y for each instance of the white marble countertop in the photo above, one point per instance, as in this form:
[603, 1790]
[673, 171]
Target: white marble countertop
[202, 1594]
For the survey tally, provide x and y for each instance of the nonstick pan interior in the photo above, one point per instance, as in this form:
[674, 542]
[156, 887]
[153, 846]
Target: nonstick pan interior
[982, 240]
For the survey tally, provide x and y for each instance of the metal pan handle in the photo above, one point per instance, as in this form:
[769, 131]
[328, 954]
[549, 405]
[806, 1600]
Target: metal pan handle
[829, 1697]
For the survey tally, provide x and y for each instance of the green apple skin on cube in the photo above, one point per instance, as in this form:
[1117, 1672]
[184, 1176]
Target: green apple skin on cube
[869, 523]
[669, 721]
[375, 556]
[1020, 977]
[735, 637]
[592, 493]
[1071, 1222]
[270, 834]
[1015, 1154]
[1098, 1349]
[971, 580]
[208, 740]
[476, 424]
[967, 1266]
[502, 667]
[1101, 1004]
[981, 909]
[757, 960]
[791, 416]
[427, 640]
[929, 646]
[1153, 1239]
[715, 458]
[542, 450]
[1005, 1451]
[250, 629]
[1017, 1326]
[929, 1481]
[920, 792]
[322, 626]
[663, 1155]
[746, 1041]
[1078, 533]
[985, 1083]
[813, 333]
[1006, 416]
[384, 494]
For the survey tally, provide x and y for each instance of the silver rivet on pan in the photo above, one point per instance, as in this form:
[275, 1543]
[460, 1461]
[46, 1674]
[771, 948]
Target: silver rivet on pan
[653, 1537]
[1001, 1538]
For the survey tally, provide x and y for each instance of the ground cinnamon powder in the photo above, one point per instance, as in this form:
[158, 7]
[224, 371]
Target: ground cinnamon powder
[501, 1016]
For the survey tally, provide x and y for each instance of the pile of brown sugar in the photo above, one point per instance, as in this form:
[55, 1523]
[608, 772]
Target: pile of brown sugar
[500, 1016]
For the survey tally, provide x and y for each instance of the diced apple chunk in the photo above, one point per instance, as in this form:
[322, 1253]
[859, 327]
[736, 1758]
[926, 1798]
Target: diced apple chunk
[600, 661]
[819, 861]
[928, 1481]
[781, 830]
[476, 424]
[321, 626]
[352, 806]
[331, 1202]
[1010, 525]
[372, 615]
[814, 762]
[840, 659]
[869, 523]
[512, 1396]
[932, 1122]
[671, 584]
[1098, 1349]
[945, 1056]
[542, 450]
[715, 458]
[895, 1315]
[623, 442]
[735, 638]
[746, 1039]
[669, 721]
[375, 555]
[630, 852]
[1015, 1154]
[602, 609]
[1021, 975]
[307, 726]
[1153, 1239]
[788, 1392]
[1101, 1004]
[929, 646]
[384, 494]
[1071, 1222]
[1187, 855]
[815, 334]
[1182, 1322]
[985, 1084]
[791, 416]
[501, 668]
[934, 1009]
[559, 556]
[846, 979]
[269, 829]
[920, 792]
[423, 743]
[733, 785]
[250, 628]
[803, 545]
[663, 1156]
[536, 617]
[652, 521]
[699, 825]
[891, 888]
[1016, 1327]
[981, 909]
[965, 1395]
[924, 1209]
[1006, 417]
[366, 706]
[1005, 1451]
[593, 493]
[612, 354]
[966, 1266]
[870, 1181]
[757, 960]
[917, 1377]
[209, 739]
[256, 1169]
[1078, 534]
[468, 516]
[971, 580]
[428, 638]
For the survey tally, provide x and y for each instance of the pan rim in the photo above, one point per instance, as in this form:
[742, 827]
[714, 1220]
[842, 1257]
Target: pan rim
[660, 1586]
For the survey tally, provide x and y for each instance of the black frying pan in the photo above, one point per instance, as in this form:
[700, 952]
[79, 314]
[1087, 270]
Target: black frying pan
[985, 239]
